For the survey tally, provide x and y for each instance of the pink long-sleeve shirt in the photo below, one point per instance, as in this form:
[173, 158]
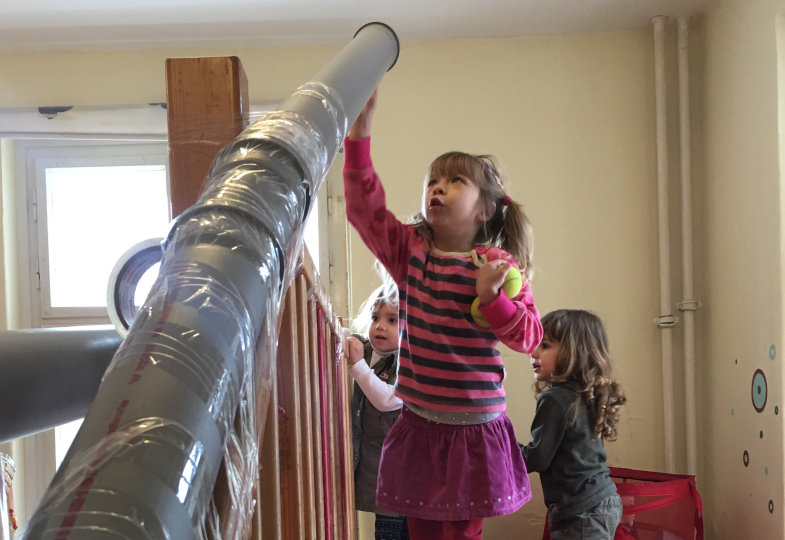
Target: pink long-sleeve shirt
[447, 362]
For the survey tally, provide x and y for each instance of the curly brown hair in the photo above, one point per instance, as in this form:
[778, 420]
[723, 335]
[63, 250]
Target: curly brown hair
[508, 228]
[584, 359]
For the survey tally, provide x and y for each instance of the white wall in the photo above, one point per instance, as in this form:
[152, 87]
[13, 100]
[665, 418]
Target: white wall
[742, 248]
[570, 118]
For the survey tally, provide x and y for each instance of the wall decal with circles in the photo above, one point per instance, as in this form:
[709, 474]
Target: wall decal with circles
[759, 390]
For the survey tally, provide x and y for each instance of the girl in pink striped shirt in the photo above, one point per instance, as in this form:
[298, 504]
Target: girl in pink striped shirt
[450, 460]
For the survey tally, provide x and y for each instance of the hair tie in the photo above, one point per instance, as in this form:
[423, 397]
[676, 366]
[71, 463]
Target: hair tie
[507, 200]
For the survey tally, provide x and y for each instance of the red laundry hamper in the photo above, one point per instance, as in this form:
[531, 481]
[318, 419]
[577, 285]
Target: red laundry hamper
[656, 506]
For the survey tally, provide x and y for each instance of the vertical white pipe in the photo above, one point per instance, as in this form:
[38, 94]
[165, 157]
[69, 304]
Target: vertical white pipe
[665, 320]
[687, 305]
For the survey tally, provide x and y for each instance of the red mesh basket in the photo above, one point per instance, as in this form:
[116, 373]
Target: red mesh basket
[656, 506]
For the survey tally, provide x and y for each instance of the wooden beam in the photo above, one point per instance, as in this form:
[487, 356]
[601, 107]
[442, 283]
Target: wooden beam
[207, 107]
[290, 444]
[310, 476]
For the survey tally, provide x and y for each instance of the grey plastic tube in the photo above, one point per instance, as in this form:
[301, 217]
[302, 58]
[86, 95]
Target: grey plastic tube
[145, 461]
[50, 376]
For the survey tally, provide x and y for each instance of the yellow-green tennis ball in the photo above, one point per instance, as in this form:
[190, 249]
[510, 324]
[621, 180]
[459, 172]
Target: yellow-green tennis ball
[476, 315]
[512, 283]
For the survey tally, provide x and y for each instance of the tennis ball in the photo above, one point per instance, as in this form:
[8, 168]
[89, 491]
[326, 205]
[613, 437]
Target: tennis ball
[476, 315]
[512, 283]
[511, 287]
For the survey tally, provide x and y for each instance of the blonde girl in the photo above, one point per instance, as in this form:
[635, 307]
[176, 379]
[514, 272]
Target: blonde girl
[461, 461]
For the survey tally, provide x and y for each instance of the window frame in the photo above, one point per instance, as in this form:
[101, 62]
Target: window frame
[36, 156]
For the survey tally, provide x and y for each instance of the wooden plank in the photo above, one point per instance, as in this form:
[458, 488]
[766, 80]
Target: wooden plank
[327, 439]
[349, 512]
[338, 431]
[269, 500]
[305, 383]
[270, 483]
[331, 431]
[316, 416]
[290, 438]
[206, 107]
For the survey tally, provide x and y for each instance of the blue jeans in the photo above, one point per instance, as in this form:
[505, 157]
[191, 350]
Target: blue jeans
[598, 523]
[391, 528]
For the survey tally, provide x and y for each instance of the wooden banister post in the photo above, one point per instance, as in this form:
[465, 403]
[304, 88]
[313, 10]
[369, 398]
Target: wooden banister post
[206, 107]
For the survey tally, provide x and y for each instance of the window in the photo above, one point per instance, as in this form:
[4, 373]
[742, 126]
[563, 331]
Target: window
[86, 205]
[75, 206]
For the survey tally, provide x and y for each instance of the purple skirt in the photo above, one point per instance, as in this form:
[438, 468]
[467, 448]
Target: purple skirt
[450, 472]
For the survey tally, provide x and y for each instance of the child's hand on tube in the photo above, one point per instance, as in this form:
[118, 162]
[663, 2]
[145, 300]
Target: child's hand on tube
[361, 129]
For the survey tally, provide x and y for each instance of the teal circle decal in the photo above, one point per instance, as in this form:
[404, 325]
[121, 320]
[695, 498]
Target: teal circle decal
[759, 390]
[772, 352]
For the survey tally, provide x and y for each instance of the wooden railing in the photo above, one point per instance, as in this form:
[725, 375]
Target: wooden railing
[305, 487]
[307, 437]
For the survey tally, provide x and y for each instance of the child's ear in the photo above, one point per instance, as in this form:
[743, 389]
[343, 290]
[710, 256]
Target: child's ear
[487, 213]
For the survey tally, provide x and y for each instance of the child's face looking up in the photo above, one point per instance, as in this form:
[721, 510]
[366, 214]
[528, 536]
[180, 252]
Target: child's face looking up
[543, 359]
[383, 332]
[451, 204]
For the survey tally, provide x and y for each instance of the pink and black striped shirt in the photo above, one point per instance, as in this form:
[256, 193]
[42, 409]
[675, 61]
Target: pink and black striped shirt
[447, 362]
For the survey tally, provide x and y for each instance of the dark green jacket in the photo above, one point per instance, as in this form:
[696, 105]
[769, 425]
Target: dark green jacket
[571, 462]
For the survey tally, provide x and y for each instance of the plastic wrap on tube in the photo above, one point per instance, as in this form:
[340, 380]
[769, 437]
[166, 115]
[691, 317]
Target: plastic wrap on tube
[7, 470]
[188, 387]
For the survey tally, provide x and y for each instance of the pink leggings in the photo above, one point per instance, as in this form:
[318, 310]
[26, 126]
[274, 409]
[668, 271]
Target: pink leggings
[427, 529]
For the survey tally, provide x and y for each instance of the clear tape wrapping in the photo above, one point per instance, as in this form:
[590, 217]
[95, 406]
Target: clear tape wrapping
[183, 393]
[7, 470]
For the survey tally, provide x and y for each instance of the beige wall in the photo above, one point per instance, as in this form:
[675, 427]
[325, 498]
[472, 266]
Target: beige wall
[571, 119]
[742, 249]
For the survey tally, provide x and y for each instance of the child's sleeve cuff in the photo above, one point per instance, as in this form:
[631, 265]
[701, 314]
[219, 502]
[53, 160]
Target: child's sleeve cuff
[499, 312]
[357, 153]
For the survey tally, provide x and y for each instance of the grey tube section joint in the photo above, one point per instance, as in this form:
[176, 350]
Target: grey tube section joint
[50, 376]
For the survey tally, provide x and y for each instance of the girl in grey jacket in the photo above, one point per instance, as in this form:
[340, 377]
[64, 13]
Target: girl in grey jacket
[577, 408]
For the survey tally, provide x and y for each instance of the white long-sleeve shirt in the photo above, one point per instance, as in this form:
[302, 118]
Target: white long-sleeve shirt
[379, 393]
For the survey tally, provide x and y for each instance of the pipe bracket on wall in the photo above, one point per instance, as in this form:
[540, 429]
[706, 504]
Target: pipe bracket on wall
[666, 321]
[688, 305]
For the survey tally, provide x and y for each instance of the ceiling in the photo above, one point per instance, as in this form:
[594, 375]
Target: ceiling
[89, 25]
